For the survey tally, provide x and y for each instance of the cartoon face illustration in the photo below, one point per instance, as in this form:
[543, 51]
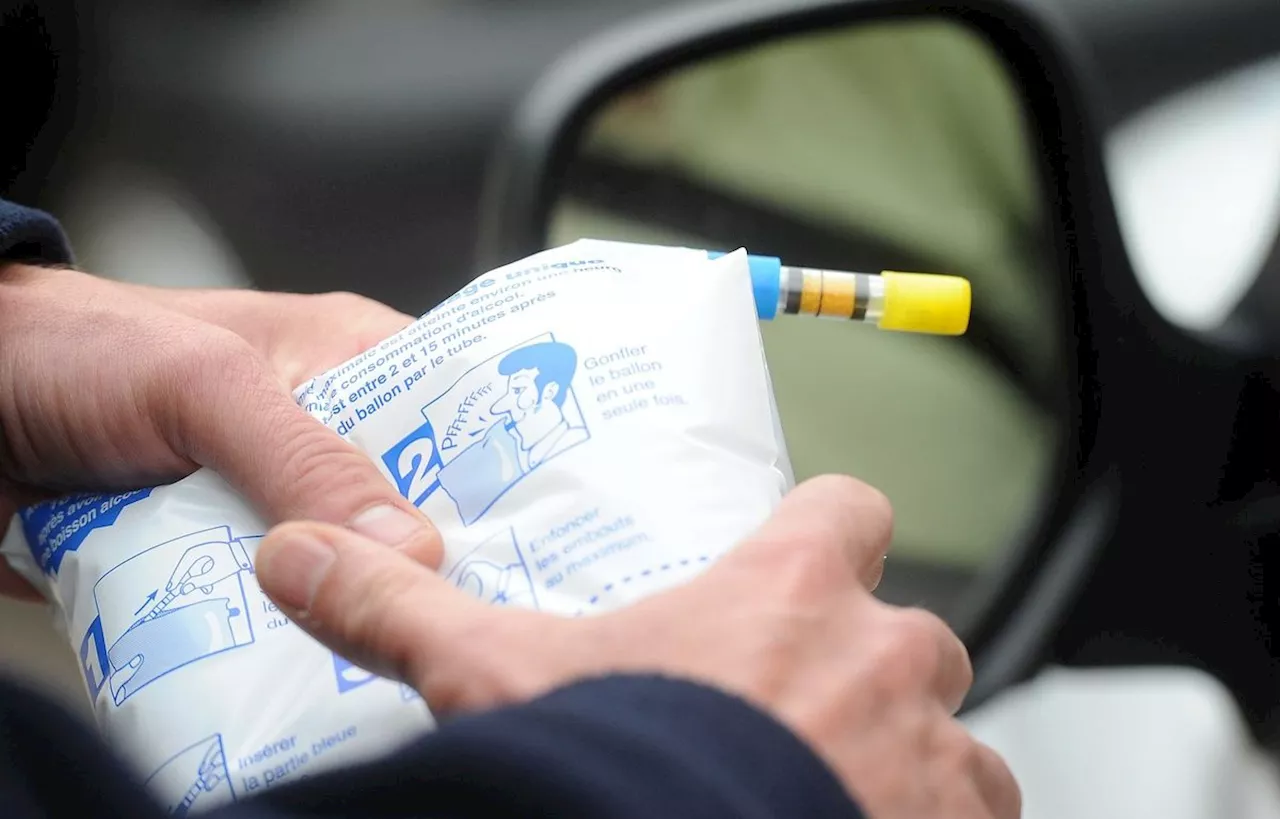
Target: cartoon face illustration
[538, 378]
[529, 415]
[522, 395]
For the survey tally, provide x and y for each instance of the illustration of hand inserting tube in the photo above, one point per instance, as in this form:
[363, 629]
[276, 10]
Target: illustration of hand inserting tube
[197, 773]
[171, 605]
[496, 573]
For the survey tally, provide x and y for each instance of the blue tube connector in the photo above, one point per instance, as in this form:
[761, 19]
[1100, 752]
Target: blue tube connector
[766, 282]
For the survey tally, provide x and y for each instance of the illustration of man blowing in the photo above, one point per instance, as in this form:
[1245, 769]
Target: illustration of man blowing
[531, 428]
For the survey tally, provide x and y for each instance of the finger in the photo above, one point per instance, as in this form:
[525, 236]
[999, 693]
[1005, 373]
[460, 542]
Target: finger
[996, 783]
[229, 413]
[952, 667]
[956, 675]
[256, 316]
[375, 606]
[832, 512]
[292, 348]
[370, 321]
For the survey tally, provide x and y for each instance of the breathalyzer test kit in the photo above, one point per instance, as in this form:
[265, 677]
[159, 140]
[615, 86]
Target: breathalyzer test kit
[586, 427]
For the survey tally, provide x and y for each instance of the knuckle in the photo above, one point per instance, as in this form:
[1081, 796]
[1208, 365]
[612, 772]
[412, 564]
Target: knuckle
[809, 569]
[372, 621]
[957, 758]
[386, 592]
[918, 627]
[912, 645]
[203, 357]
[955, 746]
[959, 754]
[1001, 791]
[927, 649]
[195, 367]
[320, 466]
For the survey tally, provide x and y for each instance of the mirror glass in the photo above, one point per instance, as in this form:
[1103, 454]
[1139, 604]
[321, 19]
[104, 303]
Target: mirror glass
[891, 145]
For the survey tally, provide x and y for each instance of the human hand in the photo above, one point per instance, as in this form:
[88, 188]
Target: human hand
[201, 567]
[212, 767]
[115, 386]
[122, 676]
[785, 621]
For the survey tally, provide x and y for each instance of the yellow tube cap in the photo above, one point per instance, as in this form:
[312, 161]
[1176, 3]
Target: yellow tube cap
[925, 303]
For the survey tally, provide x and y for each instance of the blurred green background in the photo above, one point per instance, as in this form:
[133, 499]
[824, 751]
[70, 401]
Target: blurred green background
[893, 146]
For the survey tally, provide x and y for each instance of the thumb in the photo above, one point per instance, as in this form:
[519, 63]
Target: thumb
[375, 606]
[831, 523]
[288, 464]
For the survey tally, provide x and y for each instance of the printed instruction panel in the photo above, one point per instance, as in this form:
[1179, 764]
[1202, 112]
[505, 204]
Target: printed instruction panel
[574, 458]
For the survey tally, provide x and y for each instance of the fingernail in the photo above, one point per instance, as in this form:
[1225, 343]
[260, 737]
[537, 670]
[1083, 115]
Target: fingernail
[387, 524]
[295, 569]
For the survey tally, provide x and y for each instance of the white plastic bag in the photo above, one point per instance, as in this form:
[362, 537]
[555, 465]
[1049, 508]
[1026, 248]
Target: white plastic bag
[586, 427]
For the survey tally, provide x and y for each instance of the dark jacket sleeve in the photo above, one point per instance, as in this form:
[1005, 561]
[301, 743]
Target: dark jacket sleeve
[30, 235]
[619, 747]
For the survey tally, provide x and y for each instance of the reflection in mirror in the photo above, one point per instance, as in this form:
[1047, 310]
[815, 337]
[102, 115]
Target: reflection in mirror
[1196, 181]
[882, 146]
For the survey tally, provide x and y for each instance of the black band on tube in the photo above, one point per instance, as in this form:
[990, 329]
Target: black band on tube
[794, 290]
[861, 296]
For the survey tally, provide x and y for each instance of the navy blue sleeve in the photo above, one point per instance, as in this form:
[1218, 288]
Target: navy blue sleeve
[31, 235]
[614, 748]
[619, 747]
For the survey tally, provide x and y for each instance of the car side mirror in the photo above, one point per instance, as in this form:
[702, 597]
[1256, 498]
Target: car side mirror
[872, 135]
